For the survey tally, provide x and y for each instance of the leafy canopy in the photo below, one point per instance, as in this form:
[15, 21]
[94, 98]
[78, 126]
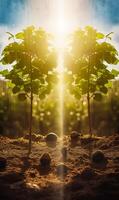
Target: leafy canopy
[32, 58]
[88, 56]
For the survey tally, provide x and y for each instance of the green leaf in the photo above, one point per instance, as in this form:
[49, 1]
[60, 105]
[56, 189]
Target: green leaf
[22, 96]
[52, 78]
[35, 74]
[104, 89]
[17, 80]
[115, 72]
[92, 87]
[42, 94]
[97, 96]
[20, 35]
[109, 84]
[109, 35]
[10, 84]
[100, 35]
[11, 35]
[15, 89]
[27, 87]
[4, 72]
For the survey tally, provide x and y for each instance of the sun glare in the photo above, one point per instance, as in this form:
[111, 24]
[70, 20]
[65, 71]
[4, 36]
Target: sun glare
[60, 42]
[60, 34]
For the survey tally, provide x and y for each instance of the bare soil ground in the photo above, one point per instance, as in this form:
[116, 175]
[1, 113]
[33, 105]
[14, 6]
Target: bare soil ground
[23, 178]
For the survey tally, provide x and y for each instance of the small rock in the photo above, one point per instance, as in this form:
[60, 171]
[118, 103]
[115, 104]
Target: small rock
[45, 160]
[98, 157]
[51, 139]
[74, 135]
[3, 163]
[62, 170]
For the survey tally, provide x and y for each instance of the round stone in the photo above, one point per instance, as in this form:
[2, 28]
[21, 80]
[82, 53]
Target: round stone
[51, 139]
[98, 157]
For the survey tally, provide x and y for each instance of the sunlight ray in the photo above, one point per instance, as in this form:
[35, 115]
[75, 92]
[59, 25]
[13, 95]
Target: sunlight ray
[60, 34]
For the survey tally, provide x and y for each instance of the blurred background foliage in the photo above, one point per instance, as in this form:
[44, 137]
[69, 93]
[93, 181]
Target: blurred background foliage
[14, 114]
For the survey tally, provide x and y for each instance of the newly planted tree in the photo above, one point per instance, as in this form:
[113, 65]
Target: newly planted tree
[32, 59]
[88, 57]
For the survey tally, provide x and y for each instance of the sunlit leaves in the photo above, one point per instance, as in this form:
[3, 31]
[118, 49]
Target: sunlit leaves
[103, 89]
[32, 57]
[87, 57]
[4, 72]
[20, 36]
[51, 61]
[100, 35]
[115, 72]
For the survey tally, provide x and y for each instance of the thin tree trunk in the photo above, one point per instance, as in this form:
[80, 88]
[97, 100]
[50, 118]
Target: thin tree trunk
[31, 111]
[88, 101]
[30, 123]
[89, 115]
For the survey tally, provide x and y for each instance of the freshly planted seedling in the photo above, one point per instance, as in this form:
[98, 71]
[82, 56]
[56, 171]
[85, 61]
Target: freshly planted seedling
[32, 60]
[88, 57]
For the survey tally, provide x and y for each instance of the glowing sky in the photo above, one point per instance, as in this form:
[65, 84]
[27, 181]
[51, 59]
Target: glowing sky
[15, 14]
[42, 12]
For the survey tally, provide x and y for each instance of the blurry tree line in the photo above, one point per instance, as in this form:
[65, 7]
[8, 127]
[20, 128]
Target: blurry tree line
[14, 113]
